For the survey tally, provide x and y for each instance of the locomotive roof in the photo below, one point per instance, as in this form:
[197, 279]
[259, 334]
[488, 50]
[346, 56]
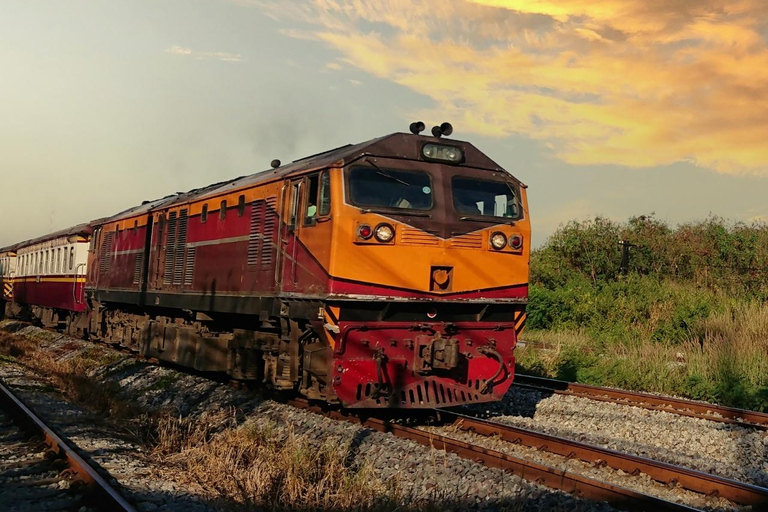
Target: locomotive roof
[395, 145]
[80, 229]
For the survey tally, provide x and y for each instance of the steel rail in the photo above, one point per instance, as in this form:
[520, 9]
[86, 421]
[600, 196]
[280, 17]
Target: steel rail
[623, 499]
[681, 406]
[102, 495]
[697, 481]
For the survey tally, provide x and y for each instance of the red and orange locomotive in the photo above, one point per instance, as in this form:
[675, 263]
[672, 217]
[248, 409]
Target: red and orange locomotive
[391, 273]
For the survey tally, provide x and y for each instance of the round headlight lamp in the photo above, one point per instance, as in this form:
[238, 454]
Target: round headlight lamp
[498, 240]
[384, 233]
[515, 242]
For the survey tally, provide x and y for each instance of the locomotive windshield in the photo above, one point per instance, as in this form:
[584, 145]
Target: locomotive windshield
[390, 188]
[484, 198]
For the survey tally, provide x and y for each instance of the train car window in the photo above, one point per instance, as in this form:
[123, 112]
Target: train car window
[484, 198]
[223, 210]
[135, 227]
[58, 260]
[390, 188]
[71, 258]
[324, 208]
[47, 260]
[204, 214]
[240, 206]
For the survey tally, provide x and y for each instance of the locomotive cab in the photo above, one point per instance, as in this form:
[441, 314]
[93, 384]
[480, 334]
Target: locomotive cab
[424, 292]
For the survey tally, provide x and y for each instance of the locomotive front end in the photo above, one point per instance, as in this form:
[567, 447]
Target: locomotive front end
[429, 276]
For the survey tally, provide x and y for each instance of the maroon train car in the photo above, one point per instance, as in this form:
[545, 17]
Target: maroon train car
[50, 275]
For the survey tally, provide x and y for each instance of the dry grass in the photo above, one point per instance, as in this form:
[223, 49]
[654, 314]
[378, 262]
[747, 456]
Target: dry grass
[263, 466]
[259, 466]
[69, 375]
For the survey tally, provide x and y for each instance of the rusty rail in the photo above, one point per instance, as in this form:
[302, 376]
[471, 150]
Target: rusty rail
[704, 483]
[729, 415]
[101, 494]
[623, 499]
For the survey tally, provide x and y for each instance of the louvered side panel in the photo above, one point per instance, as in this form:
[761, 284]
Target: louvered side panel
[107, 248]
[181, 246]
[268, 238]
[257, 218]
[138, 268]
[189, 267]
[170, 249]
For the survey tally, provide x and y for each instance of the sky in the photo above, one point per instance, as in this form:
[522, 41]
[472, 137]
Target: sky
[615, 108]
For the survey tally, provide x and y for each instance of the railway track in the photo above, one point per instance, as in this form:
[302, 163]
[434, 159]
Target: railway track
[625, 499]
[621, 498]
[711, 412]
[40, 471]
[696, 481]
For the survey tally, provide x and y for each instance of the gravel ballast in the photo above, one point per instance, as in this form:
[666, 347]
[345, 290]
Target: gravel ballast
[422, 474]
[708, 446]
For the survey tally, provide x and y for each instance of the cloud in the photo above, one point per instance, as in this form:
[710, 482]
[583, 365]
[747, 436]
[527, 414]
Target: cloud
[356, 83]
[626, 82]
[188, 52]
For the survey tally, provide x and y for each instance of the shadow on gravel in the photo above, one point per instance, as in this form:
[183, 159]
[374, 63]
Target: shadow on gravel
[179, 501]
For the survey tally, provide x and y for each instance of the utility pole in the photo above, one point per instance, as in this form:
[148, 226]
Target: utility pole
[625, 251]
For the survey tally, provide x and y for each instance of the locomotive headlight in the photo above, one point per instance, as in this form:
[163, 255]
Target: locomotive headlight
[449, 154]
[498, 241]
[384, 233]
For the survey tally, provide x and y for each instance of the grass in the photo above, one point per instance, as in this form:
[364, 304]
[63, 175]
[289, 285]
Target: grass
[273, 469]
[685, 315]
[724, 359]
[69, 376]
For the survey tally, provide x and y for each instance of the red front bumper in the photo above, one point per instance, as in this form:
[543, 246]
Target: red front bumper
[403, 365]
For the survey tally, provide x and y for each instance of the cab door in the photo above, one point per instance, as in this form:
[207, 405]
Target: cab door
[290, 235]
[156, 249]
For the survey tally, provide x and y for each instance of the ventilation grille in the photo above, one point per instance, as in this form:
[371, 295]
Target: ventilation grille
[189, 266]
[409, 236]
[170, 247]
[257, 215]
[107, 247]
[180, 249]
[470, 241]
[268, 239]
[261, 241]
[138, 268]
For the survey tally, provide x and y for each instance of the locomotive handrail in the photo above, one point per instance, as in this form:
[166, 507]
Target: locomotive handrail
[74, 285]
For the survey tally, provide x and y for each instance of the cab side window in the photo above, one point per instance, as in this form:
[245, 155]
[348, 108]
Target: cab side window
[318, 200]
[312, 187]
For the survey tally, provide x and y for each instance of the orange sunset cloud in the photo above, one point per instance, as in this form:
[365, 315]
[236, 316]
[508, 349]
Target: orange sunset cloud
[627, 82]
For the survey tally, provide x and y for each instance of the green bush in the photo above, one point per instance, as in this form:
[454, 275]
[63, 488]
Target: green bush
[684, 315]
